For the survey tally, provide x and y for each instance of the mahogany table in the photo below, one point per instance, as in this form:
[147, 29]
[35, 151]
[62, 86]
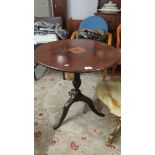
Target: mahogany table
[76, 56]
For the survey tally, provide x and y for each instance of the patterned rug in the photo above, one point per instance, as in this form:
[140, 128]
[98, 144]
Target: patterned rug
[82, 132]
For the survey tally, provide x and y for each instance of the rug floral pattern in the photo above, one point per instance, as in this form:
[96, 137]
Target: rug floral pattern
[82, 132]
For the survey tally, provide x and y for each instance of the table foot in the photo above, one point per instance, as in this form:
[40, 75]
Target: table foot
[91, 105]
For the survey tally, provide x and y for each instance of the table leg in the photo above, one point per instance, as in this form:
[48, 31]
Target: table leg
[65, 111]
[76, 96]
[91, 105]
[35, 78]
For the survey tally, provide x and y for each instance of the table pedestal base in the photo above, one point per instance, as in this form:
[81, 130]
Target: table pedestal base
[75, 96]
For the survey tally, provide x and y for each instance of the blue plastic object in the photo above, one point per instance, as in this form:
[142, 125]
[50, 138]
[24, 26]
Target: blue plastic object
[95, 23]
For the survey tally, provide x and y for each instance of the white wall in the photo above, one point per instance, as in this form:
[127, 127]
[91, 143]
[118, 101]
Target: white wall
[80, 9]
[41, 8]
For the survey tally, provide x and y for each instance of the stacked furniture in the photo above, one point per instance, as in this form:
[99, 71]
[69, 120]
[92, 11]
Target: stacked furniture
[113, 18]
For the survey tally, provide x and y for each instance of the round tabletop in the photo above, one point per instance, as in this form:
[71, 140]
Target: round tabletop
[77, 55]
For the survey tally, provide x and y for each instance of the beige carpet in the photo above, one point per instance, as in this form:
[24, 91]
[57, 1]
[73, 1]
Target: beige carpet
[83, 132]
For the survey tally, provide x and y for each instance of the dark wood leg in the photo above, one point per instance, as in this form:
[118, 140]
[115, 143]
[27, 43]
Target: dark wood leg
[91, 105]
[35, 78]
[76, 96]
[114, 70]
[65, 111]
[64, 76]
